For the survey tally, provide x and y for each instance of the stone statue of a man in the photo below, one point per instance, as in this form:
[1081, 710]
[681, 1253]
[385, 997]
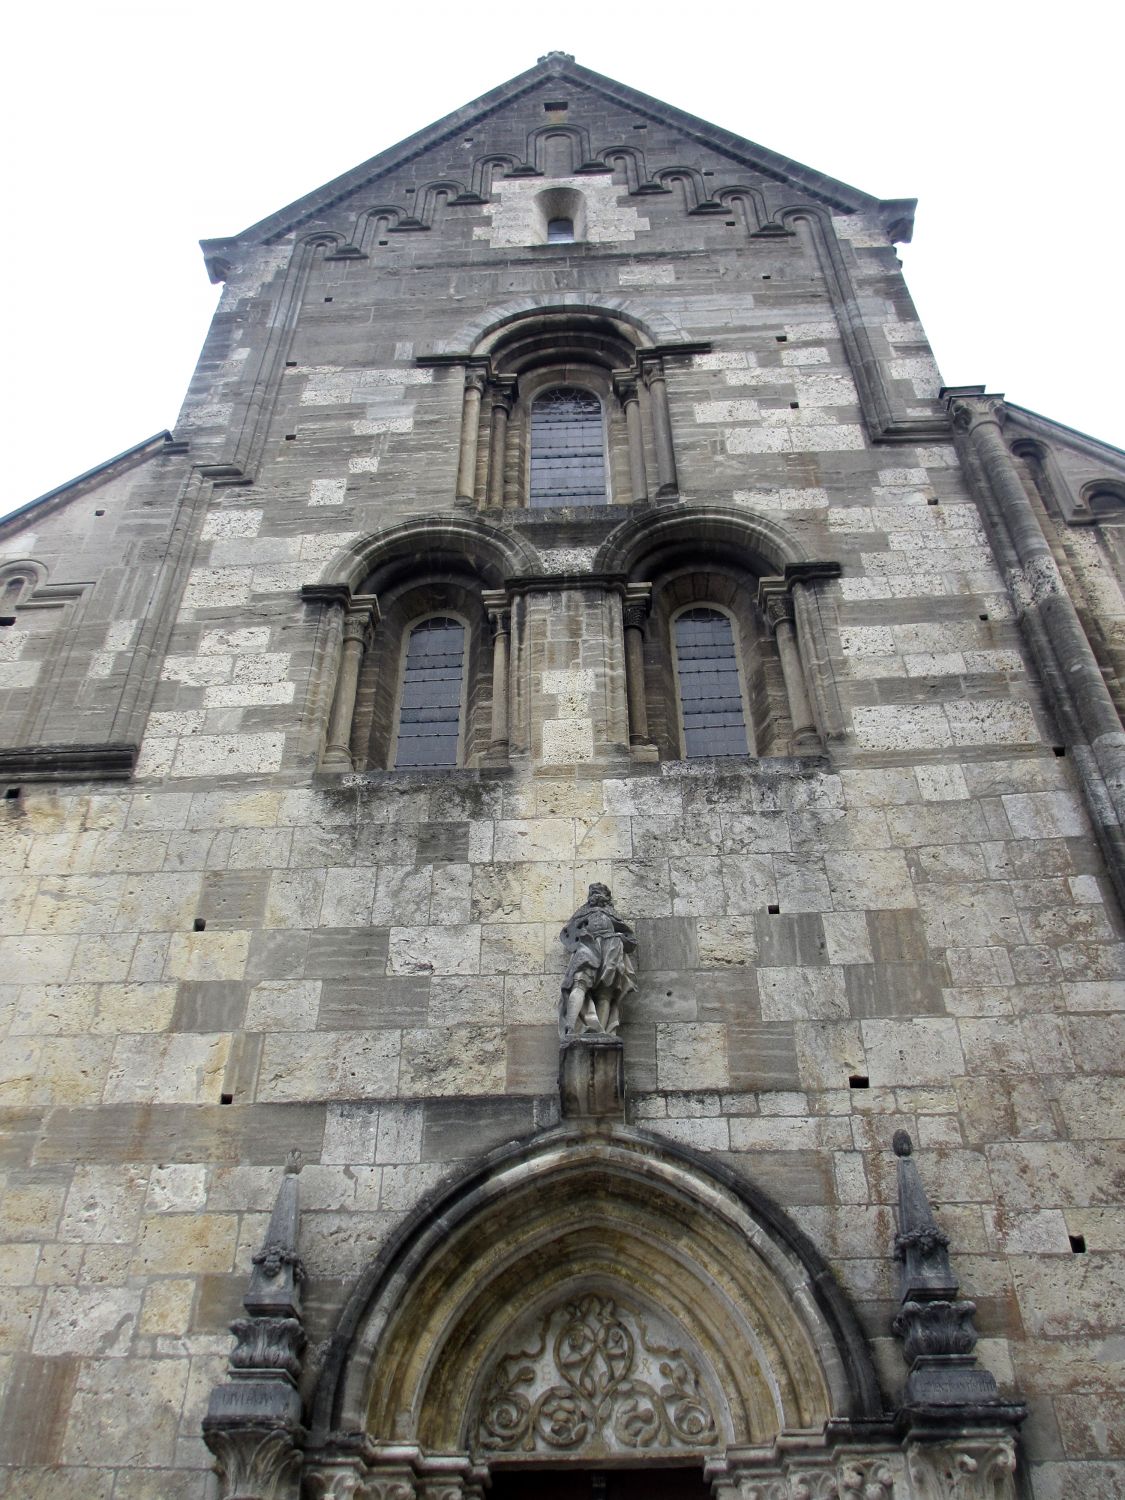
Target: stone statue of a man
[601, 970]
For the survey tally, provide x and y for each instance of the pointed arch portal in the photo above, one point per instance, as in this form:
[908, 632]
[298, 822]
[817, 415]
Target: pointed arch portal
[585, 1300]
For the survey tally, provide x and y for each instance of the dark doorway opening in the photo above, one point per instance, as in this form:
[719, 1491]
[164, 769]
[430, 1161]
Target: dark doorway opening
[598, 1484]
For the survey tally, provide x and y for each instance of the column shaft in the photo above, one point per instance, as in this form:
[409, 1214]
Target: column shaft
[800, 710]
[470, 436]
[662, 432]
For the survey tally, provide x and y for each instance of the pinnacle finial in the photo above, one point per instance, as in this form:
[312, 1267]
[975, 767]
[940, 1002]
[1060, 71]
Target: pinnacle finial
[557, 57]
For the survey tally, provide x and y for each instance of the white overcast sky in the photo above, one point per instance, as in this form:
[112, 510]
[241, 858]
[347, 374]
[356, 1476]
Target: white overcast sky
[135, 129]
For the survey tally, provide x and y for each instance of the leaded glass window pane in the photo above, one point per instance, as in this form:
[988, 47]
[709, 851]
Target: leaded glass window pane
[710, 690]
[567, 449]
[430, 712]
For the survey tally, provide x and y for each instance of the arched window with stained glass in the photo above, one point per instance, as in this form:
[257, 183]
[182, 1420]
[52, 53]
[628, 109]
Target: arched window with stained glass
[430, 699]
[712, 714]
[567, 449]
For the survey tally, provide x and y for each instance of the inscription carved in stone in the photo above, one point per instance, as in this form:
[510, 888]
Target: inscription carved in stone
[595, 1377]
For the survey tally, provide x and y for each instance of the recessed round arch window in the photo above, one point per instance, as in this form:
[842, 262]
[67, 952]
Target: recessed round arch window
[710, 684]
[567, 449]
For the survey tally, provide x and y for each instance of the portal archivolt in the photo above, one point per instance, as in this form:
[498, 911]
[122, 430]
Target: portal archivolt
[591, 1299]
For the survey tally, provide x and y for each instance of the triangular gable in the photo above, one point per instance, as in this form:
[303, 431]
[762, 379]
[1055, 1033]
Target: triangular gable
[561, 67]
[120, 463]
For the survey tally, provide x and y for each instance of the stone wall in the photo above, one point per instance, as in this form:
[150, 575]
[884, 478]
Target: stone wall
[235, 954]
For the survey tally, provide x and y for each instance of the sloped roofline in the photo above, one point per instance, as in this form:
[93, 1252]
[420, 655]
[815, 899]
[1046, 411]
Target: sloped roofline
[1035, 422]
[561, 67]
[159, 442]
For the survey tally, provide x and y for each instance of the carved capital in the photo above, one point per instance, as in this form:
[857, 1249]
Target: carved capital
[969, 1469]
[636, 606]
[967, 413]
[652, 371]
[502, 392]
[935, 1328]
[476, 378]
[268, 1344]
[625, 386]
[255, 1462]
[774, 601]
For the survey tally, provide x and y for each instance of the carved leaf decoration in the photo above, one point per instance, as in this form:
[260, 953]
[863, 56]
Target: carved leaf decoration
[595, 1378]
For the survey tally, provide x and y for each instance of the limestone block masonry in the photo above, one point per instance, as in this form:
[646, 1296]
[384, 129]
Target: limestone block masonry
[232, 930]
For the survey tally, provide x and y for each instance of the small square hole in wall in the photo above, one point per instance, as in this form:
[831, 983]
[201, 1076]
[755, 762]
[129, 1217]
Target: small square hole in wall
[328, 299]
[468, 141]
[1077, 1243]
[859, 1081]
[933, 500]
[384, 242]
[640, 127]
[199, 925]
[290, 364]
[782, 338]
[984, 617]
[226, 1098]
[794, 405]
[556, 104]
[731, 223]
[290, 437]
[765, 276]
[773, 909]
[99, 512]
[1060, 750]
[13, 792]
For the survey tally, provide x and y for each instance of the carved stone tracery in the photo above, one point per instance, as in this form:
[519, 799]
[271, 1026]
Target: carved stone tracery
[597, 1377]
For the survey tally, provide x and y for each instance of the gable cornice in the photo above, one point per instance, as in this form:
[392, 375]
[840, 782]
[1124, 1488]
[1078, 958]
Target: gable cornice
[560, 67]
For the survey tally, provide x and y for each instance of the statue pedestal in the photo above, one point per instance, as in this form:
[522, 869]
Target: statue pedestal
[592, 1078]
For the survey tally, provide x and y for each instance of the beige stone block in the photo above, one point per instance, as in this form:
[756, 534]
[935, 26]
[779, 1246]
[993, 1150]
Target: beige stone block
[182, 1244]
[828, 1054]
[59, 1265]
[1092, 1108]
[522, 839]
[207, 955]
[692, 1055]
[126, 1413]
[104, 1204]
[159, 903]
[87, 1320]
[462, 1060]
[19, 1309]
[329, 1065]
[847, 1232]
[70, 1070]
[562, 798]
[459, 1000]
[36, 959]
[512, 948]
[727, 942]
[803, 994]
[700, 1133]
[1038, 1233]
[103, 956]
[1048, 1174]
[435, 950]
[75, 903]
[644, 796]
[970, 916]
[283, 1005]
[178, 1188]
[872, 880]
[603, 837]
[402, 895]
[52, 1009]
[529, 1000]
[524, 892]
[790, 1133]
[183, 1068]
[919, 1051]
[17, 1264]
[1070, 1296]
[133, 1007]
[294, 898]
[451, 894]
[847, 937]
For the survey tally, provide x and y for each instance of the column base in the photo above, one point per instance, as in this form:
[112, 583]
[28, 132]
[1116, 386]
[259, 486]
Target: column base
[337, 760]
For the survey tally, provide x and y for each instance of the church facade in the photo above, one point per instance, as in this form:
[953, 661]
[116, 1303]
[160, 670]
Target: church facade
[563, 866]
